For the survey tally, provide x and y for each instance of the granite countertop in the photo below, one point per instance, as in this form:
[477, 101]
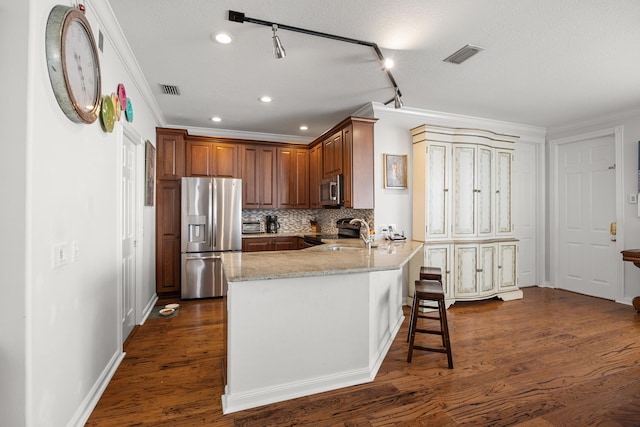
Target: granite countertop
[319, 260]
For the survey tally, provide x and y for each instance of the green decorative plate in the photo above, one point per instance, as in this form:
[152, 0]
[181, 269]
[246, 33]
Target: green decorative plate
[107, 115]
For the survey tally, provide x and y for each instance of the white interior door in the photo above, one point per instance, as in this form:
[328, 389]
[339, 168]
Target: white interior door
[587, 255]
[129, 232]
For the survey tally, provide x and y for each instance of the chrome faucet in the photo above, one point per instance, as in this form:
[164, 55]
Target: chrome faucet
[365, 235]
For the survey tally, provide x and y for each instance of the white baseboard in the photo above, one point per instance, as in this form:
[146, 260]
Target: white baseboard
[241, 401]
[89, 403]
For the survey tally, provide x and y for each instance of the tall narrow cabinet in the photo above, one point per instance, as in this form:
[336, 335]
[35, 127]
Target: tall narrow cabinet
[462, 210]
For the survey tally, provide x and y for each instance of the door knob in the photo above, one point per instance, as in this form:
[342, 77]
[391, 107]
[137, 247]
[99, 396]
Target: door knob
[613, 231]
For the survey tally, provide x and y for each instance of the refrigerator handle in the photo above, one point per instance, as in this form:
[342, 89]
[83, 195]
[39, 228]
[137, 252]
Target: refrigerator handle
[213, 217]
[202, 257]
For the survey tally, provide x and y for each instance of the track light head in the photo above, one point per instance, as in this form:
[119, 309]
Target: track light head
[397, 101]
[278, 50]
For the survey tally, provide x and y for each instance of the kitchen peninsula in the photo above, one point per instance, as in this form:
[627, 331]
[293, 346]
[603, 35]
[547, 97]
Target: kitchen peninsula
[308, 321]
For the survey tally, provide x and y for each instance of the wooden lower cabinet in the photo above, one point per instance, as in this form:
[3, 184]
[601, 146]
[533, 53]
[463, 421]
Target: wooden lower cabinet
[168, 237]
[261, 244]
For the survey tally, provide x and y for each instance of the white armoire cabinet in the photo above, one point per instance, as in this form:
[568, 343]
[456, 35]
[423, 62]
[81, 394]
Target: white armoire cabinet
[462, 181]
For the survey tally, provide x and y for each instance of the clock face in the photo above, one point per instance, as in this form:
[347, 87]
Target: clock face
[81, 66]
[73, 65]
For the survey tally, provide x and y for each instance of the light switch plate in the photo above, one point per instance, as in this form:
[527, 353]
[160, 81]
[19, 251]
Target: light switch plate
[633, 199]
[60, 254]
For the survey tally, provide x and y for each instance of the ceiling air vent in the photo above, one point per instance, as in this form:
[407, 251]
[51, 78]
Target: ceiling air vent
[170, 89]
[463, 54]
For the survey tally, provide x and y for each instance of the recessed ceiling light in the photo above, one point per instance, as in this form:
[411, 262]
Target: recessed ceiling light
[216, 119]
[222, 38]
[303, 127]
[265, 99]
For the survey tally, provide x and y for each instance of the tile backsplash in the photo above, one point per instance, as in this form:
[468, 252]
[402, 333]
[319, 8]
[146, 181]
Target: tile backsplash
[299, 220]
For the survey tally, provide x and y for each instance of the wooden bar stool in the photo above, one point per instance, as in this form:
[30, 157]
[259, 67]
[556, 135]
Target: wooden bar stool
[426, 273]
[429, 291]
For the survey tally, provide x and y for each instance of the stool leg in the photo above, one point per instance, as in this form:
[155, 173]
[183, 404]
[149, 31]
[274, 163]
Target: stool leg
[413, 307]
[445, 332]
[412, 327]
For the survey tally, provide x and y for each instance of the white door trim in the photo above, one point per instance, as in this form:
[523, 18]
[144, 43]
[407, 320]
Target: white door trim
[127, 131]
[617, 133]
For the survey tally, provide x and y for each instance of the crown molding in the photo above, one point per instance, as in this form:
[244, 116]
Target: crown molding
[527, 133]
[253, 136]
[107, 21]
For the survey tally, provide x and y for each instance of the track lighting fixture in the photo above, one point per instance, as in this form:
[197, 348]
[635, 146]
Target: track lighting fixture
[278, 50]
[397, 101]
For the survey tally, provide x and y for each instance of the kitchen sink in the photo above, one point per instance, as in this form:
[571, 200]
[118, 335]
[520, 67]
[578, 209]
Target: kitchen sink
[338, 248]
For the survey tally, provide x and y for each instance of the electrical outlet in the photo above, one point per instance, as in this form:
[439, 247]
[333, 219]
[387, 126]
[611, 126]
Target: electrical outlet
[75, 251]
[60, 254]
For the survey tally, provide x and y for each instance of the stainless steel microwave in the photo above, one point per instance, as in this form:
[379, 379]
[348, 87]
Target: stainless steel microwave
[331, 191]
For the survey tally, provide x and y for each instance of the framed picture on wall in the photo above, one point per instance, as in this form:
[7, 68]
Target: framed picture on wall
[395, 171]
[150, 174]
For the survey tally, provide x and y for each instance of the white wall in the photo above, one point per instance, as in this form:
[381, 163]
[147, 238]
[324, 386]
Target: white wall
[13, 210]
[630, 231]
[61, 330]
[392, 135]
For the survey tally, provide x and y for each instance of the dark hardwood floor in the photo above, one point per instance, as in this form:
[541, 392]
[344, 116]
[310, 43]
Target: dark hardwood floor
[554, 358]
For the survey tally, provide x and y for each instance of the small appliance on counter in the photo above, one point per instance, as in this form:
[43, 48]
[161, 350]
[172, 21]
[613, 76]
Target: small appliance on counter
[346, 229]
[251, 227]
[272, 224]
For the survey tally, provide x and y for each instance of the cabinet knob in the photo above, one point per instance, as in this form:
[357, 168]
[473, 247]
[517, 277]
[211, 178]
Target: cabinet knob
[499, 266]
[479, 270]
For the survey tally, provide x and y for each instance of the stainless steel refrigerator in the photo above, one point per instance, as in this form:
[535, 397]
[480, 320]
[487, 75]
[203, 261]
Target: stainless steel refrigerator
[211, 223]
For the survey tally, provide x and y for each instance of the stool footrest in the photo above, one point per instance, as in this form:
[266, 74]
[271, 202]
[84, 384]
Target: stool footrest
[437, 350]
[429, 331]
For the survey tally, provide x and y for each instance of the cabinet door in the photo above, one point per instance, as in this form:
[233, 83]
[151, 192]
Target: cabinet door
[285, 243]
[170, 155]
[199, 155]
[347, 167]
[267, 177]
[466, 266]
[332, 155]
[315, 175]
[507, 267]
[439, 256]
[464, 200]
[504, 161]
[484, 191]
[225, 160]
[293, 178]
[168, 237]
[437, 190]
[256, 244]
[486, 268]
[259, 177]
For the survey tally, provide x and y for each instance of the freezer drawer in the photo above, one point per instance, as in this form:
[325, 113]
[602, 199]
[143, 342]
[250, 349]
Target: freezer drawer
[202, 276]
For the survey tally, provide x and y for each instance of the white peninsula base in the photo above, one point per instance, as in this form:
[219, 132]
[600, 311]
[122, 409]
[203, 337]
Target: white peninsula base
[292, 337]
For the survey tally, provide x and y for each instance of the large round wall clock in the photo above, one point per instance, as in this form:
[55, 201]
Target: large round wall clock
[72, 61]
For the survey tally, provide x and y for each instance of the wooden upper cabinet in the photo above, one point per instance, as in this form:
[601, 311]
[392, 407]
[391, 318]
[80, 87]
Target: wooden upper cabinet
[358, 163]
[293, 178]
[259, 176]
[315, 175]
[212, 159]
[170, 154]
[348, 149]
[332, 153]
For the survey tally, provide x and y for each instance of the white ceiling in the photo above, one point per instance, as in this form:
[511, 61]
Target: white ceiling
[546, 62]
